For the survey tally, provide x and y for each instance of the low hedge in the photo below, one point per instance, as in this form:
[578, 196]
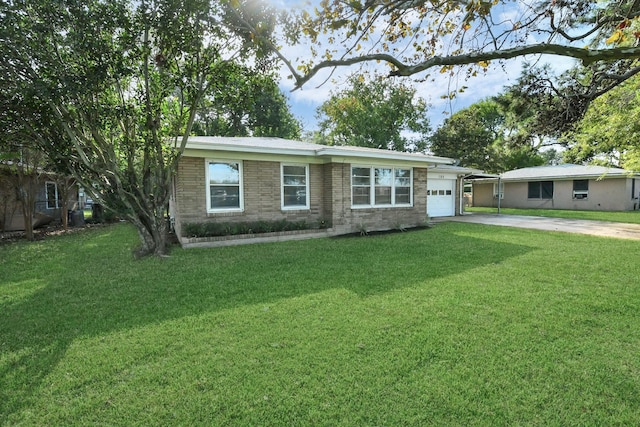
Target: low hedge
[215, 229]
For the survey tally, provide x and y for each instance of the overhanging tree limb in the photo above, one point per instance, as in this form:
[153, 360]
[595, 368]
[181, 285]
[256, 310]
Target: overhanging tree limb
[587, 56]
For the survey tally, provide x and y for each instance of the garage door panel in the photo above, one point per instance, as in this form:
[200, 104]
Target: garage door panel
[440, 197]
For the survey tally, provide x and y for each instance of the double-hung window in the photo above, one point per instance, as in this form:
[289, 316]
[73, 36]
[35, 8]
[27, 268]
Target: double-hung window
[540, 190]
[51, 190]
[580, 188]
[295, 186]
[381, 186]
[224, 186]
[360, 186]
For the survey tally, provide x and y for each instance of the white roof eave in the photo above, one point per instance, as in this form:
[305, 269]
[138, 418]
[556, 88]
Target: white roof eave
[253, 149]
[312, 150]
[384, 155]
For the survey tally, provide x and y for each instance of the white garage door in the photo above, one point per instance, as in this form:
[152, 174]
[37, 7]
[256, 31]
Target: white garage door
[441, 197]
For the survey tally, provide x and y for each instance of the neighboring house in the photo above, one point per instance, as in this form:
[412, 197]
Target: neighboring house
[565, 186]
[350, 189]
[49, 206]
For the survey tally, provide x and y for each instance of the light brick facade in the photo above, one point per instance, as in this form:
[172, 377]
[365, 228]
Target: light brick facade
[329, 197]
[258, 164]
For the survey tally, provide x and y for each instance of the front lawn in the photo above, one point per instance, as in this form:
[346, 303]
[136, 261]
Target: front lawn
[461, 324]
[632, 217]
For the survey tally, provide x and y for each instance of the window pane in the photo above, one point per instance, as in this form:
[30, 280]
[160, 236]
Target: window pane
[361, 176]
[225, 196]
[295, 196]
[294, 175]
[547, 189]
[534, 190]
[224, 173]
[403, 195]
[581, 185]
[295, 179]
[361, 172]
[383, 177]
[403, 178]
[52, 195]
[361, 196]
[383, 195]
[295, 170]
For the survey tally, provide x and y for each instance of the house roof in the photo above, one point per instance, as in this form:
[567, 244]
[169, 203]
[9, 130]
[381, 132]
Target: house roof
[563, 171]
[266, 145]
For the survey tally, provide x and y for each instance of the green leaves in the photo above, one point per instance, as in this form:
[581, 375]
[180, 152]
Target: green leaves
[482, 136]
[378, 113]
[107, 87]
[610, 130]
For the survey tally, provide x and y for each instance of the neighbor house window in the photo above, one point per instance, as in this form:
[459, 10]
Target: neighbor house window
[540, 190]
[52, 195]
[381, 186]
[295, 186]
[500, 192]
[224, 186]
[580, 188]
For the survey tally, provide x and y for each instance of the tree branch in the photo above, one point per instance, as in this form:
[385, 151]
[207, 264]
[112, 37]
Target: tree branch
[587, 56]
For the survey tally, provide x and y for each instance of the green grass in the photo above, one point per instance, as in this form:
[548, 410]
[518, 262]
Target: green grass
[461, 324]
[632, 217]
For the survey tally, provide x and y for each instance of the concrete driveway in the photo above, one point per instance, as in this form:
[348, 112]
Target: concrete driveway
[595, 228]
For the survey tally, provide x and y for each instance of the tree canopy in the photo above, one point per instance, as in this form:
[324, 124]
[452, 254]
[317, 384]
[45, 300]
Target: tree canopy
[111, 88]
[484, 136]
[244, 101]
[609, 133]
[375, 113]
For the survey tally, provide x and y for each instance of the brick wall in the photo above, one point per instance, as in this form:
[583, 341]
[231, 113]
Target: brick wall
[330, 198]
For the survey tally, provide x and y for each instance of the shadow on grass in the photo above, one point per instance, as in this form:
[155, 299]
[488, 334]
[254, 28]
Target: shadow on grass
[89, 285]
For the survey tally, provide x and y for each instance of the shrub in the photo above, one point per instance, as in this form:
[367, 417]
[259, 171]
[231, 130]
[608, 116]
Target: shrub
[215, 229]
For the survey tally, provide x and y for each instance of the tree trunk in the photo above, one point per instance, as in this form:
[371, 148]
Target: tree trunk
[153, 231]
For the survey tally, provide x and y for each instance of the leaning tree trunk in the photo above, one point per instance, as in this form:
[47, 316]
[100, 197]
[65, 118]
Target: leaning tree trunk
[153, 232]
[27, 189]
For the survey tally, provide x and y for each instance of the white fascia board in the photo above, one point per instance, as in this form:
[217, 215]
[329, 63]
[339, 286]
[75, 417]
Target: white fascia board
[253, 149]
[451, 170]
[326, 154]
[384, 155]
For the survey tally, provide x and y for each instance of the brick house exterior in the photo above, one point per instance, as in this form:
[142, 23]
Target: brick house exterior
[260, 166]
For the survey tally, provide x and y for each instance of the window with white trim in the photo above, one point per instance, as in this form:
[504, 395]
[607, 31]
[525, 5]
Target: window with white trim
[295, 186]
[381, 186]
[224, 186]
[51, 189]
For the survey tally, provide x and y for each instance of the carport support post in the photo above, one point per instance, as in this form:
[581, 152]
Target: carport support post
[499, 194]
